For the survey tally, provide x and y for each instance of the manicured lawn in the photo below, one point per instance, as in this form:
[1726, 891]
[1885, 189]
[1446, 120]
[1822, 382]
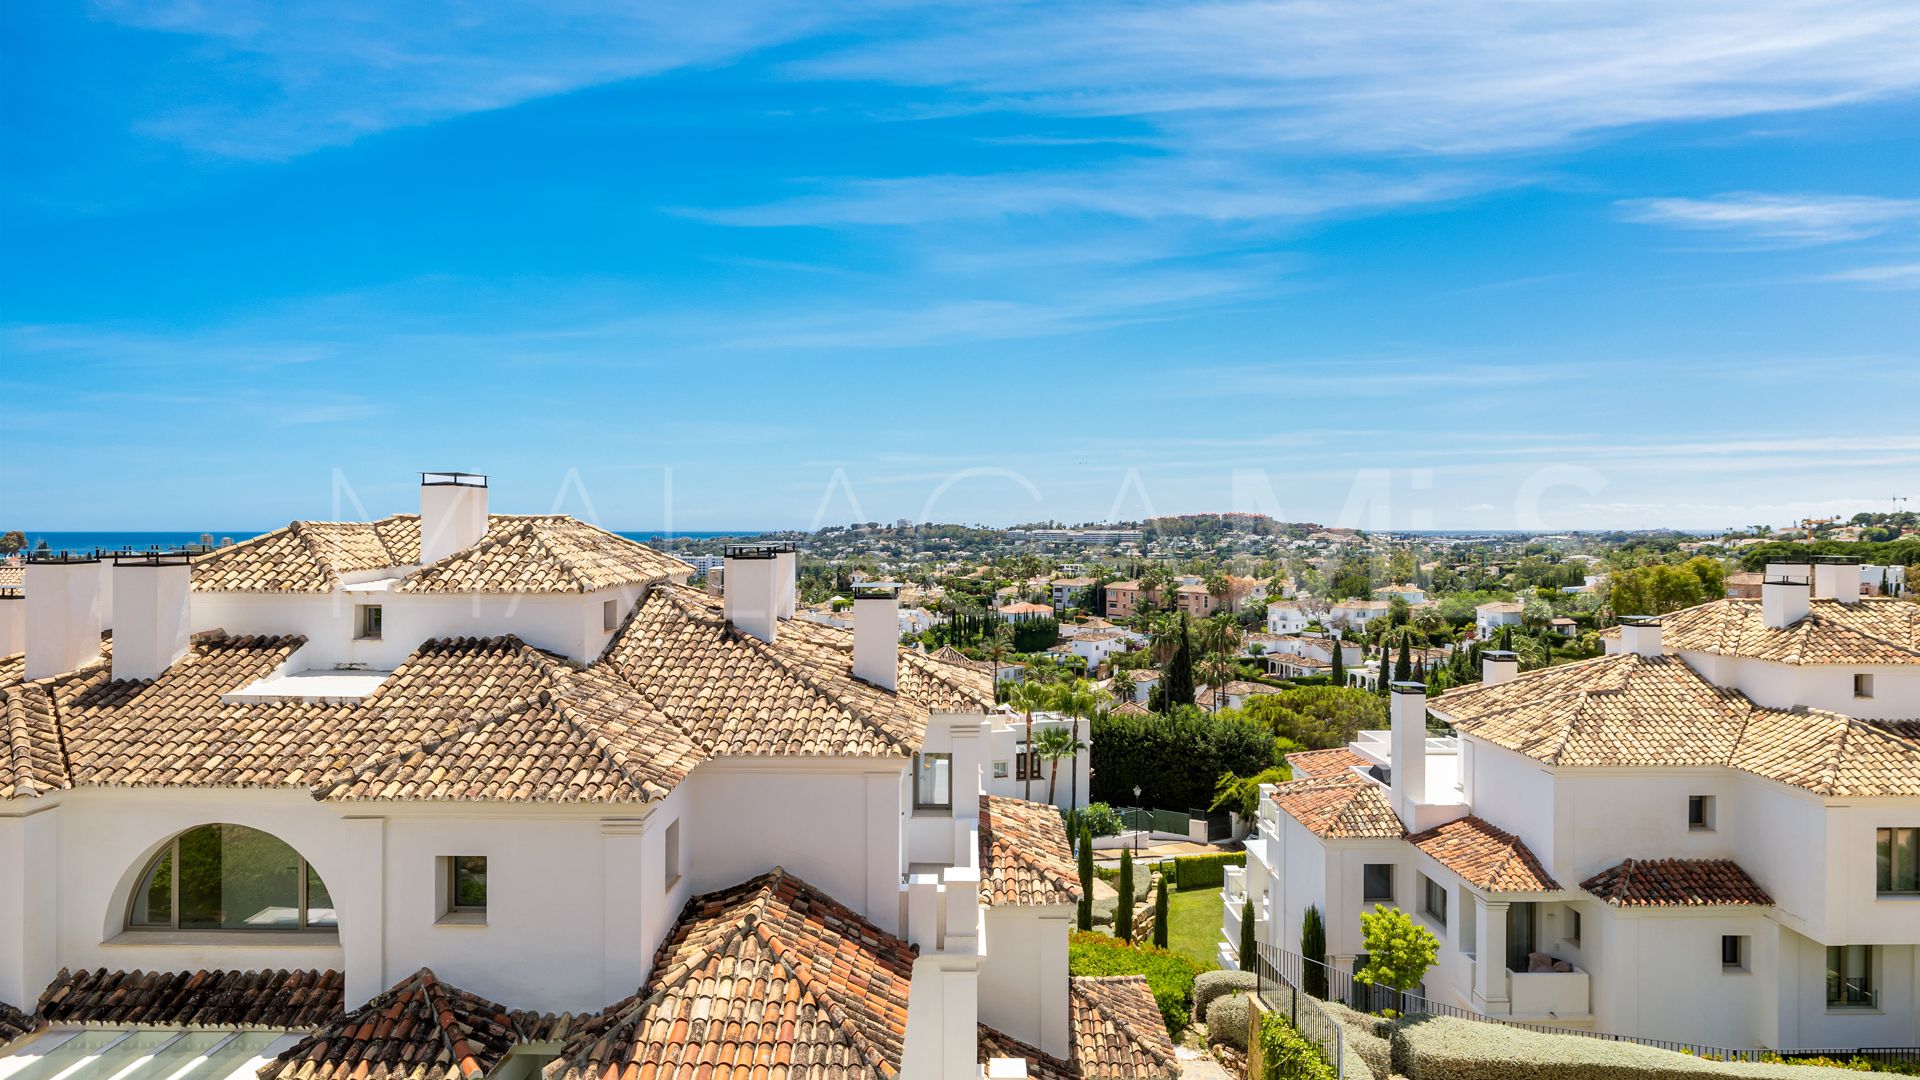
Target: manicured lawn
[1193, 924]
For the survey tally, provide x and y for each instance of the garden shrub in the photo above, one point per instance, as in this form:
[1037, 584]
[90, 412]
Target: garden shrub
[1102, 819]
[1227, 1020]
[1213, 984]
[1360, 1037]
[1204, 871]
[1169, 975]
[1286, 1054]
[1442, 1048]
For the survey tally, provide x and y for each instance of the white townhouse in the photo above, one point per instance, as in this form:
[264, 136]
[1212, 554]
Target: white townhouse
[1488, 618]
[463, 794]
[1358, 613]
[1292, 616]
[1710, 835]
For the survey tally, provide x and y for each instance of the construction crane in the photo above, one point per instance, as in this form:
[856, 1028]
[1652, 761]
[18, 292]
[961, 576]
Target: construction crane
[1809, 523]
[1897, 500]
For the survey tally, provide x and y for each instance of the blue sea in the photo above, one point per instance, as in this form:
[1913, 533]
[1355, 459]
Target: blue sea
[150, 540]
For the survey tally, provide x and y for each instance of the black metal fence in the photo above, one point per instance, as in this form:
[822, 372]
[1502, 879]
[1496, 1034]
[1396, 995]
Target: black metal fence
[1289, 983]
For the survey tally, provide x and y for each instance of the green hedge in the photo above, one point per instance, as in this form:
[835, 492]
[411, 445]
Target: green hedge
[1442, 1048]
[1169, 974]
[1204, 871]
[1285, 1054]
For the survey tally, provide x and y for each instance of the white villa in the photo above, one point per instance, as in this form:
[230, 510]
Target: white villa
[1710, 835]
[469, 795]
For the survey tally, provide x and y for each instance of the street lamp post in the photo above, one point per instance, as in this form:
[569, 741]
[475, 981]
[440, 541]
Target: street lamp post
[1137, 808]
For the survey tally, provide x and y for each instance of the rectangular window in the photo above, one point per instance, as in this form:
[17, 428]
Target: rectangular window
[1026, 762]
[368, 622]
[1850, 977]
[1700, 813]
[672, 854]
[1863, 686]
[1733, 952]
[1898, 852]
[933, 781]
[610, 615]
[1435, 903]
[1573, 926]
[1377, 882]
[999, 770]
[467, 884]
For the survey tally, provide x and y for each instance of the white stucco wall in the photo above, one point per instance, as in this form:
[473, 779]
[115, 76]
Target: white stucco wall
[1023, 980]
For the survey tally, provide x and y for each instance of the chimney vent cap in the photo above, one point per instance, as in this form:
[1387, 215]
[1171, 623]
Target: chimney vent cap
[449, 478]
[1408, 688]
[1500, 654]
[1837, 560]
[60, 557]
[753, 551]
[1640, 620]
[876, 590]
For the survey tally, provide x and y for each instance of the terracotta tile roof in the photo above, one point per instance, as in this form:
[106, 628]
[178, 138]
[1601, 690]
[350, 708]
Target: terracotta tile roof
[520, 553]
[1628, 710]
[419, 1029]
[1343, 805]
[1676, 883]
[290, 1000]
[1317, 763]
[1876, 630]
[771, 972]
[1132, 708]
[14, 1023]
[1026, 609]
[1485, 857]
[1024, 854]
[12, 575]
[480, 719]
[1117, 1029]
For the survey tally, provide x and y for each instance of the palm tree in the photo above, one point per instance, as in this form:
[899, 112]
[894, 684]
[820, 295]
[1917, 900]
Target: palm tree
[1217, 634]
[1218, 670]
[1163, 635]
[997, 645]
[1028, 696]
[1079, 700]
[1055, 745]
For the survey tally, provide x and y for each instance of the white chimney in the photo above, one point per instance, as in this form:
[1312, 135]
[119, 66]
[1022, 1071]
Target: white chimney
[1408, 767]
[13, 621]
[751, 598]
[876, 633]
[149, 613]
[453, 513]
[787, 571]
[1498, 666]
[1836, 578]
[106, 594]
[1640, 635]
[63, 613]
[1783, 594]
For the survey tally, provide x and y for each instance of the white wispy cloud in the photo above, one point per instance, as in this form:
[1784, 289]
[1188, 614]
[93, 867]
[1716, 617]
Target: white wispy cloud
[1893, 276]
[1792, 219]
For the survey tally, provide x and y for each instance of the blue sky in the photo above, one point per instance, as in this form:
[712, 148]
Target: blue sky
[1395, 264]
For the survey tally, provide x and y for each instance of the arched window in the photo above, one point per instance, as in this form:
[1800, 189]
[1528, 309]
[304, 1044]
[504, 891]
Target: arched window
[229, 877]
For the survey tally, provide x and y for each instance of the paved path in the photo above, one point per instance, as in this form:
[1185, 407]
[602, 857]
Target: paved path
[1195, 1065]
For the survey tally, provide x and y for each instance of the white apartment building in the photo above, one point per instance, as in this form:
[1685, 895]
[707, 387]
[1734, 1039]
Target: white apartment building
[1710, 835]
[1488, 618]
[489, 794]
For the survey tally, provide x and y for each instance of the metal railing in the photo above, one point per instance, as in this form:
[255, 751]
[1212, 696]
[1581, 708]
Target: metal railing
[1136, 819]
[1284, 978]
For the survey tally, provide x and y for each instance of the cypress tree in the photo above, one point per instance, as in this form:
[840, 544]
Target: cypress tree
[1123, 914]
[1505, 638]
[1160, 914]
[1178, 677]
[1403, 667]
[1313, 946]
[1249, 945]
[1085, 913]
[1339, 664]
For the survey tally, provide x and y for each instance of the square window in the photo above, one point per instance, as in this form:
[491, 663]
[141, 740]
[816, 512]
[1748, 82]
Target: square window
[1700, 813]
[672, 854]
[367, 621]
[467, 884]
[1897, 861]
[1850, 977]
[1863, 686]
[999, 770]
[1733, 952]
[610, 615]
[933, 781]
[1435, 903]
[1377, 882]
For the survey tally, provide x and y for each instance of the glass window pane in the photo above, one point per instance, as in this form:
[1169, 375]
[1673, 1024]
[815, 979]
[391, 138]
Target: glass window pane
[1883, 851]
[319, 902]
[1906, 860]
[236, 878]
[153, 901]
[470, 882]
